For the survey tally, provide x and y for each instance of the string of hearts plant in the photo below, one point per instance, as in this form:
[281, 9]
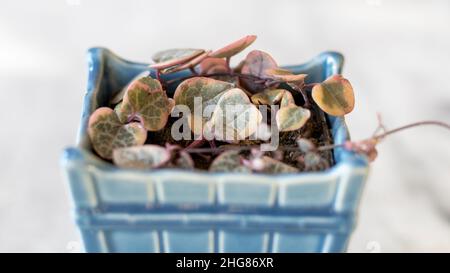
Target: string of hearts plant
[136, 130]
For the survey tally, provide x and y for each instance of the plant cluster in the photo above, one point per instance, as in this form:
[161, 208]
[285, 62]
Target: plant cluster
[122, 132]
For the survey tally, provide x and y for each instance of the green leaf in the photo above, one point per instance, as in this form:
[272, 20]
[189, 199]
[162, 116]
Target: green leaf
[234, 48]
[209, 90]
[193, 62]
[257, 63]
[141, 157]
[235, 117]
[334, 96]
[268, 97]
[146, 101]
[172, 57]
[107, 133]
[228, 161]
[285, 75]
[274, 166]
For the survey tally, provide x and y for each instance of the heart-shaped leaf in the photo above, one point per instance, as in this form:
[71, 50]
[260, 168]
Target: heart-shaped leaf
[314, 162]
[213, 65]
[184, 161]
[257, 63]
[141, 157]
[209, 90]
[172, 57]
[193, 62]
[268, 97]
[228, 161]
[274, 166]
[285, 75]
[235, 117]
[234, 48]
[287, 99]
[334, 96]
[292, 118]
[119, 96]
[107, 133]
[146, 101]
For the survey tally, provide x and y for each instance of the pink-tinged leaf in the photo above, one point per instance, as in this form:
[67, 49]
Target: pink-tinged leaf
[141, 157]
[285, 75]
[172, 57]
[107, 133]
[119, 96]
[234, 48]
[195, 61]
[213, 65]
[257, 63]
[334, 96]
[146, 101]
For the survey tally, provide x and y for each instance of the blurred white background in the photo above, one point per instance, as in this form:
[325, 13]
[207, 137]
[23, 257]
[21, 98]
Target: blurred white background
[397, 57]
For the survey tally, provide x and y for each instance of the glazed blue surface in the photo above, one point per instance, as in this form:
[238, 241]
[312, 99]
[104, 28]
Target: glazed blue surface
[170, 210]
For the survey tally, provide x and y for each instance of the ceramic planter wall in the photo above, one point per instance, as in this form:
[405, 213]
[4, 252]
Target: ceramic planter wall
[180, 211]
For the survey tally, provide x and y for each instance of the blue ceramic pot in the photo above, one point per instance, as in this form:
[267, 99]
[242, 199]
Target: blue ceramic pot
[170, 210]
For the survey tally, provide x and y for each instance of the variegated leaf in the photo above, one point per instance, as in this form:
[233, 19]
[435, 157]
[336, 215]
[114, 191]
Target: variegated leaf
[229, 161]
[234, 48]
[184, 161]
[209, 90]
[235, 117]
[119, 96]
[314, 162]
[107, 133]
[172, 57]
[334, 96]
[285, 75]
[292, 118]
[268, 96]
[146, 101]
[141, 157]
[190, 64]
[274, 166]
[287, 99]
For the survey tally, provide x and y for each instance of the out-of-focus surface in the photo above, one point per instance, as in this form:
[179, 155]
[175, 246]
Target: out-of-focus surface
[397, 57]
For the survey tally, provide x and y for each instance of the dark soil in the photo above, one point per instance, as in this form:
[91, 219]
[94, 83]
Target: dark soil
[316, 130]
